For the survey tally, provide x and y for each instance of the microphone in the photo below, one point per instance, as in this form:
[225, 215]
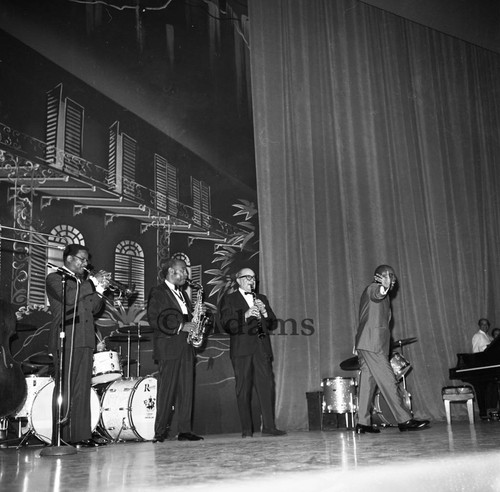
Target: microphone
[64, 271]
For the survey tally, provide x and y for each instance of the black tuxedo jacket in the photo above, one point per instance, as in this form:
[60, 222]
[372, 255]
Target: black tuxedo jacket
[165, 316]
[244, 337]
[89, 306]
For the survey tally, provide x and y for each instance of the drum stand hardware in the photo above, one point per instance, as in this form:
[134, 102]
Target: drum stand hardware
[128, 334]
[122, 428]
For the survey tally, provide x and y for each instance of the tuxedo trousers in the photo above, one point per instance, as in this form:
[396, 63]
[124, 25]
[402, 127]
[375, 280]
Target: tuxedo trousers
[76, 423]
[251, 371]
[175, 392]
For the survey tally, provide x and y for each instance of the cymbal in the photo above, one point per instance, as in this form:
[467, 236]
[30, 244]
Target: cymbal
[41, 359]
[403, 341]
[351, 364]
[30, 365]
[106, 322]
[125, 338]
[135, 329]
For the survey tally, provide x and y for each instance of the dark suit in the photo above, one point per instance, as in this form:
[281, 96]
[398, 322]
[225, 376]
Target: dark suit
[78, 350]
[251, 357]
[175, 359]
[373, 341]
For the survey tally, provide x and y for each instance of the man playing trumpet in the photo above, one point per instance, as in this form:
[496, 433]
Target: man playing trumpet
[83, 302]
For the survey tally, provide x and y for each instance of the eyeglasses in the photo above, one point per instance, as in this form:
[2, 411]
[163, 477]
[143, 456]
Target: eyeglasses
[83, 260]
[248, 277]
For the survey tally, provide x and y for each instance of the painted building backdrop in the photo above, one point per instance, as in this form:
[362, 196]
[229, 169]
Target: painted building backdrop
[76, 167]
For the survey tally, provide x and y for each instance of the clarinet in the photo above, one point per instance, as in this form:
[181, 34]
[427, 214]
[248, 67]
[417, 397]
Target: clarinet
[260, 329]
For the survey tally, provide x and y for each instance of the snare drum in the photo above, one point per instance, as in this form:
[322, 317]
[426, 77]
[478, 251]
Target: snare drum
[129, 409]
[106, 367]
[400, 366]
[40, 418]
[339, 395]
[33, 385]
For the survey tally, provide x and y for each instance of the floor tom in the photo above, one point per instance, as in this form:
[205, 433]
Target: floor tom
[339, 395]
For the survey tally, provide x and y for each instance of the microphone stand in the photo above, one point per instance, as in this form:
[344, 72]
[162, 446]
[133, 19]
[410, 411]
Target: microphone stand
[55, 448]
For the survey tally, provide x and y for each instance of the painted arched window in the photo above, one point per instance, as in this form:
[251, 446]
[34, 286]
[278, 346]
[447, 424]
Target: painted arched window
[129, 268]
[59, 237]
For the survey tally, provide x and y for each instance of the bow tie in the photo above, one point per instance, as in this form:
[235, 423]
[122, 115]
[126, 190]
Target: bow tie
[249, 293]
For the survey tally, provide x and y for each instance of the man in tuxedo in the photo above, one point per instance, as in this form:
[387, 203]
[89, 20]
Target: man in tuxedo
[373, 345]
[248, 317]
[83, 302]
[170, 314]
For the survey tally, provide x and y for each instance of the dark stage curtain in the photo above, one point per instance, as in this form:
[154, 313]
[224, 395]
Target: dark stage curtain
[377, 141]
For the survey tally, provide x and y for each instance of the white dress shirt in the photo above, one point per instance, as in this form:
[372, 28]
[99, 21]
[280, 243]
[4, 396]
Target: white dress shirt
[480, 341]
[179, 297]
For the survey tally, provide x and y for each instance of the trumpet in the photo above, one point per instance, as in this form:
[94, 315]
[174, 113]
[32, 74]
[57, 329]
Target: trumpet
[112, 284]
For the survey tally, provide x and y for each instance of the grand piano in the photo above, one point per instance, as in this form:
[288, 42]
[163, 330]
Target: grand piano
[482, 371]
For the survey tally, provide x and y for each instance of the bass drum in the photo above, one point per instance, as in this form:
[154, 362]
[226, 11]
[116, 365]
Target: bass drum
[381, 413]
[129, 409]
[33, 386]
[40, 419]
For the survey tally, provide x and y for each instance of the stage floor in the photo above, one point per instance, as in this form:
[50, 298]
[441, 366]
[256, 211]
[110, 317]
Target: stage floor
[460, 457]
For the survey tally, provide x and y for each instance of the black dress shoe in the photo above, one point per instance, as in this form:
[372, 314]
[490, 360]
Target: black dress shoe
[362, 429]
[413, 425]
[188, 436]
[160, 437]
[273, 432]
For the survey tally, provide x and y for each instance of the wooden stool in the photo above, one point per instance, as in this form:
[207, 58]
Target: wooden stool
[461, 394]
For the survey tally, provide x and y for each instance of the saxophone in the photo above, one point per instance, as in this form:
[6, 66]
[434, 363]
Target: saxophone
[195, 335]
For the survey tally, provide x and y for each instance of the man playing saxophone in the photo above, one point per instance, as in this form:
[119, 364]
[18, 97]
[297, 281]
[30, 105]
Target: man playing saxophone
[170, 313]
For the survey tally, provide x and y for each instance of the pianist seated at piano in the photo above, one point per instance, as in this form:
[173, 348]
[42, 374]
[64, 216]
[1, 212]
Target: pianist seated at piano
[481, 338]
[481, 369]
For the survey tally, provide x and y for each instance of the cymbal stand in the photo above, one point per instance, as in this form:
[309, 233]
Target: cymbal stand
[138, 349]
[128, 353]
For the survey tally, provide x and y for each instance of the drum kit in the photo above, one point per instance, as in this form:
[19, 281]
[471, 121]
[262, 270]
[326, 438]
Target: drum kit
[122, 407]
[340, 393]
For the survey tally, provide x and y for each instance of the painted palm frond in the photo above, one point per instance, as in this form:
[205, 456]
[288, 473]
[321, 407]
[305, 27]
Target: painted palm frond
[240, 250]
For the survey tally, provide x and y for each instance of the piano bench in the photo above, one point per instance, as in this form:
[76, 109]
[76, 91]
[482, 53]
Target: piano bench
[460, 394]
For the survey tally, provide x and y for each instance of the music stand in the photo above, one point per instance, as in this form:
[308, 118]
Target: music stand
[56, 448]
